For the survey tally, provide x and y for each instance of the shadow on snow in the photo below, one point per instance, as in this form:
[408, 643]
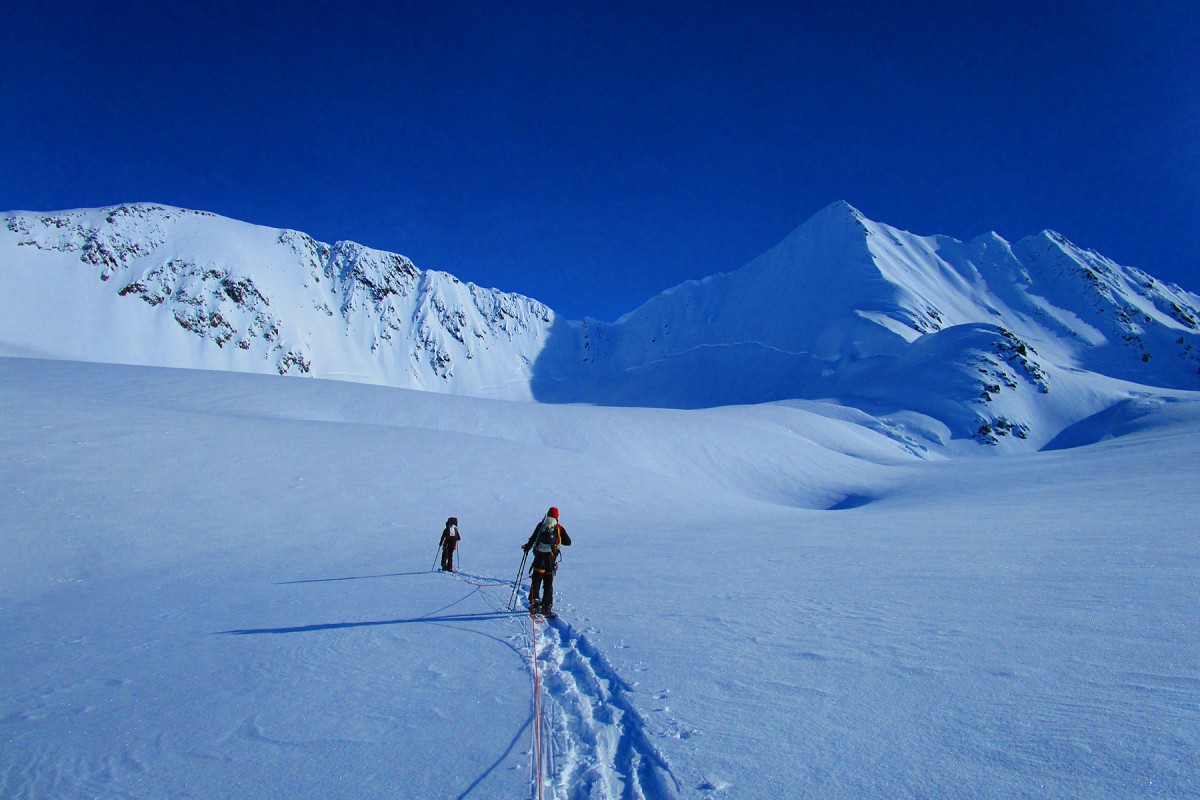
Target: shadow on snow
[353, 578]
[331, 626]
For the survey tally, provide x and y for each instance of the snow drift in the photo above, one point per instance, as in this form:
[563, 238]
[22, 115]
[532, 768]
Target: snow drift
[219, 585]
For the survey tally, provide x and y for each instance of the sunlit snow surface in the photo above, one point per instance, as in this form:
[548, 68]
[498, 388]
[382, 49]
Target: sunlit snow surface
[219, 585]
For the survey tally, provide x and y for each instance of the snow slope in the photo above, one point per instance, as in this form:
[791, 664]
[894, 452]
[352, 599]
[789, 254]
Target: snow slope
[218, 585]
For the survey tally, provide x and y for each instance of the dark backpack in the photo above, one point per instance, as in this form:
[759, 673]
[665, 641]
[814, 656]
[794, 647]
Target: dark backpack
[548, 534]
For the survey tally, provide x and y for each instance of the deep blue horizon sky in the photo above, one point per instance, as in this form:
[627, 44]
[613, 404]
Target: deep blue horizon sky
[593, 154]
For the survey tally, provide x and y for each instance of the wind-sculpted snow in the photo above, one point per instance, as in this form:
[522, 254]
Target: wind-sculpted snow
[844, 308]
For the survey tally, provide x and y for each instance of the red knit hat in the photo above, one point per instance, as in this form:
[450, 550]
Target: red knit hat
[553, 512]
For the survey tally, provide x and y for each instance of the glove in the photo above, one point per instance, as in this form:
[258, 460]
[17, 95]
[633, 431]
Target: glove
[525, 547]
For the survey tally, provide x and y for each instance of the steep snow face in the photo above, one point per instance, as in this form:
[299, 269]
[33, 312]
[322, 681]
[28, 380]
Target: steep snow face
[841, 289]
[1151, 323]
[221, 294]
[988, 337]
[796, 298]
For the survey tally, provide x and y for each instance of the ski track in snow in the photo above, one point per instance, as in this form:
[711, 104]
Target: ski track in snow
[595, 744]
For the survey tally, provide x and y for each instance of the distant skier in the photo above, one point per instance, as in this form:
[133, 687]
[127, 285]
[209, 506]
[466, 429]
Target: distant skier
[545, 542]
[449, 542]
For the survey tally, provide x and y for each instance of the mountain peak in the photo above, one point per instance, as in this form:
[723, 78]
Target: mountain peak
[836, 222]
[838, 212]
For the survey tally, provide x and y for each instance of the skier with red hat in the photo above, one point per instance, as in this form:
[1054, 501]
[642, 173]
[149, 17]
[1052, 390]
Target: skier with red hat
[545, 542]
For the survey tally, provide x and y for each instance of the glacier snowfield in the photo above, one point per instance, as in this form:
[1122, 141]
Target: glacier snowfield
[219, 585]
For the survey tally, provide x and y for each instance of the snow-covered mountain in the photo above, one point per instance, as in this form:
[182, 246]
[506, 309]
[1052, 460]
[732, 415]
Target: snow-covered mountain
[149, 284]
[988, 340]
[986, 337]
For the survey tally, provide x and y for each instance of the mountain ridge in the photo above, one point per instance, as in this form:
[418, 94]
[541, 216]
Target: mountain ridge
[843, 308]
[352, 312]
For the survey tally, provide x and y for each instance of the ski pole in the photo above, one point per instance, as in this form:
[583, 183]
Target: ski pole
[437, 554]
[512, 601]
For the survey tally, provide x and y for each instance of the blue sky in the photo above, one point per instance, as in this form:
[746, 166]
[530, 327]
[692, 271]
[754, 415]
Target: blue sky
[592, 154]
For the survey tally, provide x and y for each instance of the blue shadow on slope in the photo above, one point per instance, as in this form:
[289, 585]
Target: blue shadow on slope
[1119, 419]
[500, 760]
[444, 619]
[560, 372]
[852, 501]
[330, 626]
[354, 578]
[572, 369]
